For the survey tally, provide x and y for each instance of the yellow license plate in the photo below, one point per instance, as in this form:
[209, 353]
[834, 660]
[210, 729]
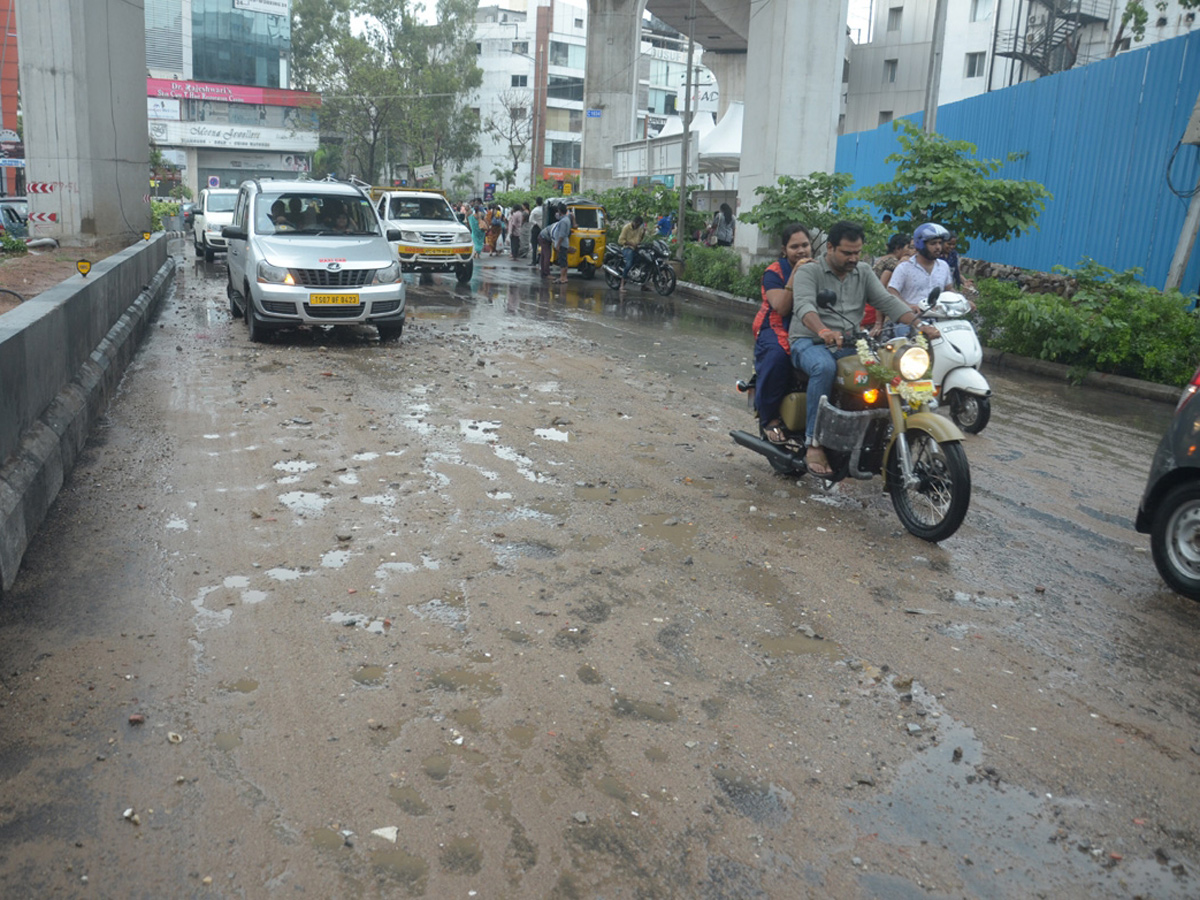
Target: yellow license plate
[429, 251]
[920, 387]
[333, 300]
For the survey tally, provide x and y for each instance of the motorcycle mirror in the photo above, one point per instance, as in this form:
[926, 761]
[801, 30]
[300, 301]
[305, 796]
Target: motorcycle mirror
[826, 298]
[932, 299]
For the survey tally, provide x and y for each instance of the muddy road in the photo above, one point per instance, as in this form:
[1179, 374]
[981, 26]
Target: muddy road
[500, 610]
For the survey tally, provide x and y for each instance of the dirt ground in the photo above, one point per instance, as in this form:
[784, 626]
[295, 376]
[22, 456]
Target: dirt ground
[38, 270]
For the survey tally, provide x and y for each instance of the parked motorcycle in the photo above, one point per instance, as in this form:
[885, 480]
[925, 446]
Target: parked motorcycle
[957, 355]
[879, 421]
[651, 265]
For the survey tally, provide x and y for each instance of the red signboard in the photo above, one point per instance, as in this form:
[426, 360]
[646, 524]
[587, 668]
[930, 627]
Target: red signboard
[228, 93]
[557, 174]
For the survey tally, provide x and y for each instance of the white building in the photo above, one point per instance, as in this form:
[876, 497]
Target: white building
[989, 44]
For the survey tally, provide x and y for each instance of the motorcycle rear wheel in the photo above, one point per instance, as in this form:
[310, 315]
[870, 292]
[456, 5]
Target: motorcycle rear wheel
[612, 280]
[933, 508]
[970, 412]
[664, 280]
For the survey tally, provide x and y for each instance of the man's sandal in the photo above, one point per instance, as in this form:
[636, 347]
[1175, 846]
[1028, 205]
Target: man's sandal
[774, 432]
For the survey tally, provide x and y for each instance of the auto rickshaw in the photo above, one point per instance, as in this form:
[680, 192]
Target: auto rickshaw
[587, 236]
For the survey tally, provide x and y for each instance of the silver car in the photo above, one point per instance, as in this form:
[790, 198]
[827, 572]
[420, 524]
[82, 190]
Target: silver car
[312, 252]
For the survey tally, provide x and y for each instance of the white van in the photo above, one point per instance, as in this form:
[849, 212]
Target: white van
[214, 210]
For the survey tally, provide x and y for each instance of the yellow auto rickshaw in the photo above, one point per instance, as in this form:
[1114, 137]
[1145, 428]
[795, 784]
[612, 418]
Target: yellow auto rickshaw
[587, 235]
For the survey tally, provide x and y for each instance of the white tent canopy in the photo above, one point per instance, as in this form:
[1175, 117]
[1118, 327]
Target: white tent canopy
[721, 147]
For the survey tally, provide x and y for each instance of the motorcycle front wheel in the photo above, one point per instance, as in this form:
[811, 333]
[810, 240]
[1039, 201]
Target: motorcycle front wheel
[613, 281]
[664, 280]
[934, 507]
[970, 412]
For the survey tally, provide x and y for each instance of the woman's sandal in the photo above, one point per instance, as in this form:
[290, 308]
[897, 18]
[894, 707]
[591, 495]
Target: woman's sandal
[774, 432]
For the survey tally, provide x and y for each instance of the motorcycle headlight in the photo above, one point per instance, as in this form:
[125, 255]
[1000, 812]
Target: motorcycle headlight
[387, 274]
[270, 274]
[913, 363]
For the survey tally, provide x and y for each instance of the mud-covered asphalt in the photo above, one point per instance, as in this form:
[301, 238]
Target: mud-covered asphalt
[500, 610]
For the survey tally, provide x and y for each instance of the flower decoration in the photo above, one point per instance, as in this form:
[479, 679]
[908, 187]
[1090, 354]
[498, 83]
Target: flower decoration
[876, 369]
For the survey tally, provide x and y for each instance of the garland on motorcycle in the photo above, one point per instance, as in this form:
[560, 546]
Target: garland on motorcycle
[651, 265]
[879, 421]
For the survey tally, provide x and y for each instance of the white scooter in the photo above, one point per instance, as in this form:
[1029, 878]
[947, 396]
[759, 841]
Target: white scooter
[957, 355]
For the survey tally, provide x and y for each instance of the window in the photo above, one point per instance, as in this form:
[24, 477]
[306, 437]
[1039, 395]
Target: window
[520, 81]
[558, 119]
[889, 71]
[572, 56]
[579, 23]
[975, 64]
[563, 87]
[564, 154]
[478, 48]
[894, 14]
[521, 47]
[885, 116]
[980, 10]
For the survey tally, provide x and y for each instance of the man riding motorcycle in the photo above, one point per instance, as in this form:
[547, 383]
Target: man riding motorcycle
[914, 278]
[816, 333]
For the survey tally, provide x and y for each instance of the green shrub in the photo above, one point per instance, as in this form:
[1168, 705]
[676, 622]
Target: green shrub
[1112, 323]
[12, 245]
[159, 209]
[719, 268]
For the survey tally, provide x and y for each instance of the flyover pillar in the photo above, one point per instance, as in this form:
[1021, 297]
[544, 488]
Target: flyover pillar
[83, 97]
[610, 86]
[729, 69]
[793, 87]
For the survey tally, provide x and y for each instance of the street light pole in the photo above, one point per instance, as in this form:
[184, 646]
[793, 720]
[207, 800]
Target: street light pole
[687, 130]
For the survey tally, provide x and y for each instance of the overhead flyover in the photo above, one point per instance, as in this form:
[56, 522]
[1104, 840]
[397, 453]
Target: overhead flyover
[782, 58]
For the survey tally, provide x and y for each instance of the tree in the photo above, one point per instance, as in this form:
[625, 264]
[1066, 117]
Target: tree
[1135, 15]
[504, 176]
[816, 202]
[513, 125]
[939, 180]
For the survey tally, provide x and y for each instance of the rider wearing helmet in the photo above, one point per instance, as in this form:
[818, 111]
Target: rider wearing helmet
[914, 278]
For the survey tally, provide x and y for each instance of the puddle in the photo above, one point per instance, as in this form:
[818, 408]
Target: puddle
[588, 675]
[411, 871]
[643, 709]
[455, 680]
[517, 637]
[798, 644]
[348, 478]
[252, 597]
[289, 479]
[521, 735]
[668, 528]
[304, 503]
[364, 457]
[552, 434]
[611, 787]
[436, 766]
[499, 495]
[207, 618]
[414, 419]
[589, 543]
[385, 500]
[294, 466]
[655, 755]
[986, 823]
[470, 718]
[451, 612]
[327, 839]
[177, 524]
[241, 686]
[373, 624]
[396, 568]
[621, 495]
[462, 855]
[524, 465]
[508, 552]
[474, 432]
[371, 676]
[408, 800]
[765, 802]
[226, 741]
[284, 574]
[335, 559]
[236, 581]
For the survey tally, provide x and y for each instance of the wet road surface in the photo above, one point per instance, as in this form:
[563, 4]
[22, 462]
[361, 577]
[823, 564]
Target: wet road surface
[499, 610]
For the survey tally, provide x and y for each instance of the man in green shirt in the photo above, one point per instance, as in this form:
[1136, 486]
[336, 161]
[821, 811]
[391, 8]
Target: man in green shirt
[816, 332]
[631, 236]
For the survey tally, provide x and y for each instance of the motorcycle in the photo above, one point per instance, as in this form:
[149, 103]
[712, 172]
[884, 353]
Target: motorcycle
[651, 265]
[957, 356]
[879, 421]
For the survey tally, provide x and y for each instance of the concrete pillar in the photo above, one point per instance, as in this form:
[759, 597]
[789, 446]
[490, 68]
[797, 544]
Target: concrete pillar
[793, 84]
[83, 95]
[730, 71]
[609, 86]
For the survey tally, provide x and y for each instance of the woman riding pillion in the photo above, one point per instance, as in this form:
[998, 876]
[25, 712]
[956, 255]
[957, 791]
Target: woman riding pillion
[772, 361]
[816, 333]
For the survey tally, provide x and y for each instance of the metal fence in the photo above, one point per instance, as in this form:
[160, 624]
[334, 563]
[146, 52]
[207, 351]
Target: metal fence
[1100, 138]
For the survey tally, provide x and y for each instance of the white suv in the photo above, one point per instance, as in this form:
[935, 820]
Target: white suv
[312, 252]
[214, 210]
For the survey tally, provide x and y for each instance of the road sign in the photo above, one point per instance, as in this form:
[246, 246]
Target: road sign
[13, 163]
[38, 217]
[214, 181]
[594, 113]
[40, 187]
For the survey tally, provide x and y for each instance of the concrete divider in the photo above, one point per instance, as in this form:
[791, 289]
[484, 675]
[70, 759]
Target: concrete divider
[62, 354]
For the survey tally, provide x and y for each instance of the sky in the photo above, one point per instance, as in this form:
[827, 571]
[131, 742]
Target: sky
[859, 19]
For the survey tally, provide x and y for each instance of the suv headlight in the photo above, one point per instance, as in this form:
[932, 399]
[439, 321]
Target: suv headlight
[387, 274]
[410, 235]
[914, 363]
[212, 226]
[463, 235]
[270, 274]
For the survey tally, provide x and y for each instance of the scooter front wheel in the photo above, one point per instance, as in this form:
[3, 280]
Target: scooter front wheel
[970, 412]
[935, 505]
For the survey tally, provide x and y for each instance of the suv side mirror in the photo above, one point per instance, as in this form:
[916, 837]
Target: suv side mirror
[233, 233]
[393, 235]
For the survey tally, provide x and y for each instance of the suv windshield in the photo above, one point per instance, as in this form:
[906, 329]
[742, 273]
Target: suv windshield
[299, 212]
[221, 202]
[435, 208]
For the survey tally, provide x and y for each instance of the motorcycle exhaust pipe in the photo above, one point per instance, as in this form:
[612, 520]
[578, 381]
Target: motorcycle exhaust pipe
[770, 451]
[611, 271]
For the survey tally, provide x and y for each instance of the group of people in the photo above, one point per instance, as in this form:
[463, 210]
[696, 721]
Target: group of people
[491, 225]
[293, 215]
[792, 332]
